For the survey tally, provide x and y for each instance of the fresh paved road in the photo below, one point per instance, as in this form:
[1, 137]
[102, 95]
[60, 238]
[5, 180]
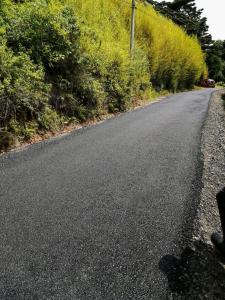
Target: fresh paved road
[90, 215]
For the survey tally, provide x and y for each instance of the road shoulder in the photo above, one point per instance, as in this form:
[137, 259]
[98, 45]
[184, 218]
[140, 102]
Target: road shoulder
[199, 273]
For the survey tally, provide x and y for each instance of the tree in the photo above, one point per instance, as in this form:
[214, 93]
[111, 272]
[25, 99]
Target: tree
[216, 60]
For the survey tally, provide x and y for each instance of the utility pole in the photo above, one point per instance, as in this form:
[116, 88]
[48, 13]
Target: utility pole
[132, 32]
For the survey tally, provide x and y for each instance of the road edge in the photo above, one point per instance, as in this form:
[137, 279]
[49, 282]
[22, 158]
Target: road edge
[199, 272]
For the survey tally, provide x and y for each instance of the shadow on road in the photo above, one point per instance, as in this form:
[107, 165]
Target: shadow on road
[198, 274]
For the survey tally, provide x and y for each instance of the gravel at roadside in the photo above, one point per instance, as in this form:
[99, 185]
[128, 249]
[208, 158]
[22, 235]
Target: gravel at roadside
[200, 271]
[213, 150]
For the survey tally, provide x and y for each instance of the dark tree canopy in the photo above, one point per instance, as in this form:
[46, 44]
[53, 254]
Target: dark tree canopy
[216, 60]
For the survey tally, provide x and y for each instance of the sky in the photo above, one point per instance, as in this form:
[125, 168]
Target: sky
[215, 13]
[214, 10]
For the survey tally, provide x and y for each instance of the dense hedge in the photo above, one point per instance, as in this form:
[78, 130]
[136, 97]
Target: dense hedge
[70, 60]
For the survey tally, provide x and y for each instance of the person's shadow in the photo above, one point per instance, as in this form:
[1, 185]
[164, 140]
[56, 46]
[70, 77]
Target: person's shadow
[197, 274]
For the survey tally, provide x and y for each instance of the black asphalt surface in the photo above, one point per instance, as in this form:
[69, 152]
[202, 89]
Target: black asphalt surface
[90, 215]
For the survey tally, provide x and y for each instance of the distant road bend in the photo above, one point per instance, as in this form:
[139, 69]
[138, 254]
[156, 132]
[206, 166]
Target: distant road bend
[89, 215]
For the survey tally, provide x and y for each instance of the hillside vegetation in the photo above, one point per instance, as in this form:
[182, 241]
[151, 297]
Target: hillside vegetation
[66, 61]
[191, 18]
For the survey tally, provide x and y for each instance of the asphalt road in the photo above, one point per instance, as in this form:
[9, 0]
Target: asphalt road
[91, 214]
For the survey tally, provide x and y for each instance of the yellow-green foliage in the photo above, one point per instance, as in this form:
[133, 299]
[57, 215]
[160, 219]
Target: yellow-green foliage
[175, 60]
[71, 58]
[105, 39]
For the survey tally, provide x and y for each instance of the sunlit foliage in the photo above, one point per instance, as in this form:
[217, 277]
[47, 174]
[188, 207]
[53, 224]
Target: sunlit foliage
[74, 59]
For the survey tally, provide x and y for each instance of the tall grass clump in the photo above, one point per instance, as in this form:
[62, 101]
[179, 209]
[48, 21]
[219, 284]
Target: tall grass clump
[70, 60]
[106, 38]
[176, 59]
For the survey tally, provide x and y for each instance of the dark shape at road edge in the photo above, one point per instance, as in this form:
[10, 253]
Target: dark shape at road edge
[198, 273]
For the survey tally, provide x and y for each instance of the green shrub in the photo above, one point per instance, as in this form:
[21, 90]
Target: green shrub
[220, 84]
[7, 139]
[47, 30]
[49, 120]
[23, 93]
